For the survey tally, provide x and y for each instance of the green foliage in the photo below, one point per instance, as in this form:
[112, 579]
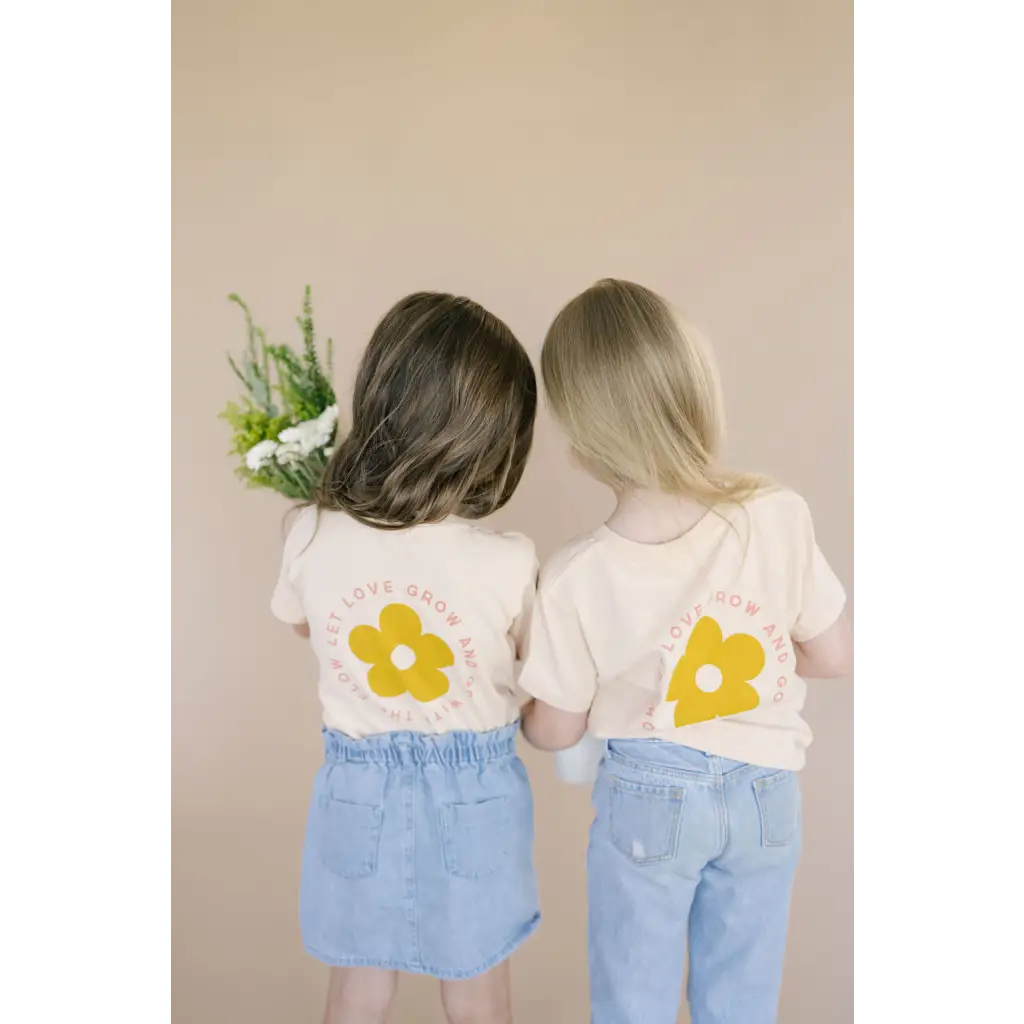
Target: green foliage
[251, 425]
[281, 387]
[296, 481]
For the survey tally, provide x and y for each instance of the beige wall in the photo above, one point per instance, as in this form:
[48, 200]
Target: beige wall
[514, 152]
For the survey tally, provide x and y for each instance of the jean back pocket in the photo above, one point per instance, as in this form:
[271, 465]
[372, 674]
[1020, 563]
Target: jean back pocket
[476, 836]
[778, 804]
[644, 820]
[348, 837]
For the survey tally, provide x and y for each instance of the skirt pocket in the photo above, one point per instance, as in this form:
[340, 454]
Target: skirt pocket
[476, 836]
[348, 837]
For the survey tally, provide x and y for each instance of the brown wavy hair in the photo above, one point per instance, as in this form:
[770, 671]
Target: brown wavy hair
[442, 417]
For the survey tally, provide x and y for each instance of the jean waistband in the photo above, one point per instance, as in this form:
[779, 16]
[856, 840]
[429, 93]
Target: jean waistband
[397, 749]
[673, 757]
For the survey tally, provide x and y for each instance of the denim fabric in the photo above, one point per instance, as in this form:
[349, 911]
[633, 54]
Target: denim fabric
[691, 850]
[419, 853]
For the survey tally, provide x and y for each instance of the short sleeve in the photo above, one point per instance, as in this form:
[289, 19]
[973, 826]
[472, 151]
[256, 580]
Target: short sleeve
[821, 595]
[559, 668]
[527, 588]
[286, 603]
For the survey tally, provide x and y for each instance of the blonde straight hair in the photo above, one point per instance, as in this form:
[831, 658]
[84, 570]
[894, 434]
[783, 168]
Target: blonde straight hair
[636, 390]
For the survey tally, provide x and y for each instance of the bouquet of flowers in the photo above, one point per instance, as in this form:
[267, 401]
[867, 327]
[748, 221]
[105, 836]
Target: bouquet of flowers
[284, 426]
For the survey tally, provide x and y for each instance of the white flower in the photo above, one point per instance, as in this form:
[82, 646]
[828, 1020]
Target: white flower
[289, 452]
[311, 434]
[259, 454]
[300, 437]
[328, 452]
[328, 417]
[306, 435]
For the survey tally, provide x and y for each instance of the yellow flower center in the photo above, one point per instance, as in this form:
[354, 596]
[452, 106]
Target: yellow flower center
[709, 678]
[403, 657]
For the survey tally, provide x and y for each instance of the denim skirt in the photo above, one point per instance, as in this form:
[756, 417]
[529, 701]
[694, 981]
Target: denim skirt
[419, 853]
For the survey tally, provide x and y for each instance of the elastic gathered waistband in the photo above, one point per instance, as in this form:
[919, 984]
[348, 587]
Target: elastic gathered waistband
[396, 749]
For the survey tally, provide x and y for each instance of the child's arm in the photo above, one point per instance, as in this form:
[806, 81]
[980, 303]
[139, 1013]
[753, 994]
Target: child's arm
[828, 655]
[821, 633]
[549, 728]
[286, 604]
[558, 673]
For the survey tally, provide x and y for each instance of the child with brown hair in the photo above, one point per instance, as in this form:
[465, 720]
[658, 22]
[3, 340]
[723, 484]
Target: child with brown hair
[418, 852]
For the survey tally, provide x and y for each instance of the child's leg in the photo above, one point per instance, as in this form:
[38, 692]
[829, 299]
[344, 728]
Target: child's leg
[741, 908]
[737, 945]
[659, 819]
[359, 995]
[483, 999]
[637, 915]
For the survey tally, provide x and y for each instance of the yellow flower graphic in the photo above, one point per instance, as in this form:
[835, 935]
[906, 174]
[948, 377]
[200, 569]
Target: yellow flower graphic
[404, 658]
[711, 680]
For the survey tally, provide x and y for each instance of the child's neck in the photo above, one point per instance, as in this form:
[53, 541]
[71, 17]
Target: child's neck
[651, 517]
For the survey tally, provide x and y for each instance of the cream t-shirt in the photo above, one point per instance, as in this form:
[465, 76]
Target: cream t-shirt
[414, 629]
[691, 640]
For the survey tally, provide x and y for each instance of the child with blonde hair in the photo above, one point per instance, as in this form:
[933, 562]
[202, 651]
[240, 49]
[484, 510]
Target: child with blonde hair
[418, 852]
[680, 633]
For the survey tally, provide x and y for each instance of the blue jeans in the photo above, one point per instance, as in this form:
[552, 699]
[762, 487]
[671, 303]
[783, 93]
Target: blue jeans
[691, 850]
